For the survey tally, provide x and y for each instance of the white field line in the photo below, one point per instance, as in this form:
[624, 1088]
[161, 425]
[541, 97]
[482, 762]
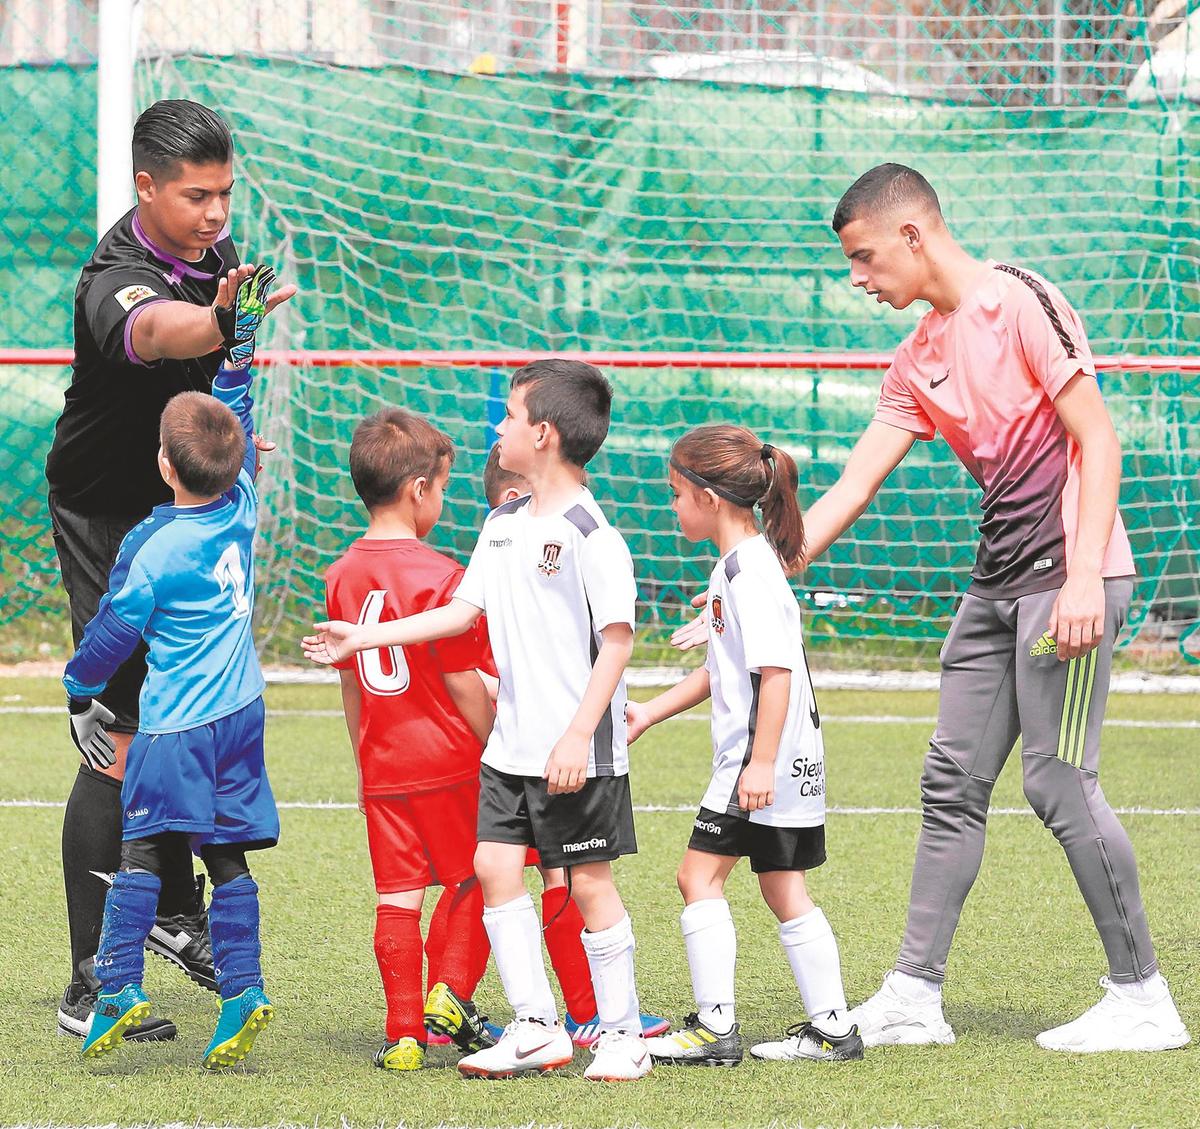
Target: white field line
[652, 676]
[655, 809]
[849, 718]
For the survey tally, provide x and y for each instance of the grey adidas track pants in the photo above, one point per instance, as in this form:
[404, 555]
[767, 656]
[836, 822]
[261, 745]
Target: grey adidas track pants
[1001, 679]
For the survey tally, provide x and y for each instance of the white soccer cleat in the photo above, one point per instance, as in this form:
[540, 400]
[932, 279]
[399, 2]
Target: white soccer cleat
[892, 1018]
[617, 1057]
[527, 1046]
[1121, 1021]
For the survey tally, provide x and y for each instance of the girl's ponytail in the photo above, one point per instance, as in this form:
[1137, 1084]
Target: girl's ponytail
[783, 524]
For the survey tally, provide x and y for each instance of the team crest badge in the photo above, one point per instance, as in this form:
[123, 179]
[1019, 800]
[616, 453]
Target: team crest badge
[549, 565]
[130, 296]
[718, 621]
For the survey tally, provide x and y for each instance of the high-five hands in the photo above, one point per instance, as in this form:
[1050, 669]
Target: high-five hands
[243, 301]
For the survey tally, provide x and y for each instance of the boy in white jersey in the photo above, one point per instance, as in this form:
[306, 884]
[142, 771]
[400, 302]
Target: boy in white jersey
[766, 798]
[556, 582]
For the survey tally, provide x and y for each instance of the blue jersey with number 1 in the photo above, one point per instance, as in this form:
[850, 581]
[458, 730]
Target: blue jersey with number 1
[184, 582]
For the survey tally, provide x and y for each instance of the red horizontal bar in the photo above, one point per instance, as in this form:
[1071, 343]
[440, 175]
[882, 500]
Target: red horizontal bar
[514, 358]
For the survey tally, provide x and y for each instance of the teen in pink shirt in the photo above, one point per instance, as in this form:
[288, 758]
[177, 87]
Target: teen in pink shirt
[1000, 367]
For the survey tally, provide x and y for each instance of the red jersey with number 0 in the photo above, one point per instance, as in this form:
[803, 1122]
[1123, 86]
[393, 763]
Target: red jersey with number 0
[411, 737]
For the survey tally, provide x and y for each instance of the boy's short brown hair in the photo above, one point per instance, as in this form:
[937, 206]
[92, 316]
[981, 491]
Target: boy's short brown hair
[572, 395]
[393, 447]
[204, 441]
[496, 479]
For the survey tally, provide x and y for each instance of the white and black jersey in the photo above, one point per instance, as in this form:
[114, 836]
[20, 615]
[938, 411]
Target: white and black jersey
[549, 584]
[755, 622]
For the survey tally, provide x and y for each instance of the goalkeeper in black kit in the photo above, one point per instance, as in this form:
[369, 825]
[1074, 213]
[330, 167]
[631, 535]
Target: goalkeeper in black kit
[161, 301]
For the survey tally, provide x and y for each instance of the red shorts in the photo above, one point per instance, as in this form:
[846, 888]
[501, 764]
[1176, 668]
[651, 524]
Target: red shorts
[426, 839]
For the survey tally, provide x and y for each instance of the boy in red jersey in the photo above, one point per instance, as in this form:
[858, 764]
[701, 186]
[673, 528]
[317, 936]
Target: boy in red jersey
[418, 717]
[562, 923]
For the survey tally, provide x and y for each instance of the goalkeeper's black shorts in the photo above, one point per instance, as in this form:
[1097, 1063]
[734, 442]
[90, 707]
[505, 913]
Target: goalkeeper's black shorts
[87, 550]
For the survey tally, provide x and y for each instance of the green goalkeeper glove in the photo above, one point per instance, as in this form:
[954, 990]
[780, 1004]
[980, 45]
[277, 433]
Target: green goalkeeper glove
[239, 323]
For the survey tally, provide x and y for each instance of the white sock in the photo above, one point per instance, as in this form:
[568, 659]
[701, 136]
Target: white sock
[917, 988]
[712, 952]
[1144, 991]
[813, 954]
[516, 937]
[610, 957]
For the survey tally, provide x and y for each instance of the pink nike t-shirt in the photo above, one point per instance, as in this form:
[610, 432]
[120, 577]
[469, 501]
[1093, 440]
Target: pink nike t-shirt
[985, 377]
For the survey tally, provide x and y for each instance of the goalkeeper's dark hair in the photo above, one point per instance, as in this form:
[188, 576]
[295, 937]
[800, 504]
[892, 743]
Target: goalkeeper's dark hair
[882, 190]
[742, 470]
[204, 441]
[573, 396]
[392, 447]
[175, 130]
[496, 479]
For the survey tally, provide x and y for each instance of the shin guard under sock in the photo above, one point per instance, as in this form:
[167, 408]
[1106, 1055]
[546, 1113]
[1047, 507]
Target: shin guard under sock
[398, 951]
[466, 950]
[233, 924]
[128, 918]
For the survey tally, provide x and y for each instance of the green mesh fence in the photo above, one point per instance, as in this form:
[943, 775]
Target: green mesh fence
[649, 177]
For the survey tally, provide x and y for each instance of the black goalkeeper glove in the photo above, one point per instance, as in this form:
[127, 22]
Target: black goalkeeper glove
[239, 323]
[88, 719]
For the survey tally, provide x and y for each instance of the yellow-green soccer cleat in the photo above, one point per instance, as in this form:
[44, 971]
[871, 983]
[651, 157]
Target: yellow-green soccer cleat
[242, 1020]
[404, 1054]
[112, 1016]
[449, 1014]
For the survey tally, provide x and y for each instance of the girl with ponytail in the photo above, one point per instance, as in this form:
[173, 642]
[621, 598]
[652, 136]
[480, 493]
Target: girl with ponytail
[766, 798]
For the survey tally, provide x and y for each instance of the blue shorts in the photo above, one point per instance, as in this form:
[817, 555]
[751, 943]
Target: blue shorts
[209, 782]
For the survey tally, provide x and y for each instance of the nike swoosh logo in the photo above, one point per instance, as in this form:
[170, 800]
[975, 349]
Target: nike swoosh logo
[938, 383]
[520, 1054]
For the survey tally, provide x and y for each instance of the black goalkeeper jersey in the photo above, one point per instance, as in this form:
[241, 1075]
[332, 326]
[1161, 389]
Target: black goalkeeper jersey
[103, 460]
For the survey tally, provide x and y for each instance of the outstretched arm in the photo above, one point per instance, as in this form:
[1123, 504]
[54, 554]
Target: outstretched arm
[877, 453]
[180, 330]
[336, 640]
[685, 694]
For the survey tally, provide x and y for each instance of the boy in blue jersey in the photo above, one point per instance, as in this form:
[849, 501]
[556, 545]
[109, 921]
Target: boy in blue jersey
[195, 776]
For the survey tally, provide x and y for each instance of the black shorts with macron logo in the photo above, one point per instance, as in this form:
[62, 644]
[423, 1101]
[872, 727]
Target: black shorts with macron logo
[594, 824]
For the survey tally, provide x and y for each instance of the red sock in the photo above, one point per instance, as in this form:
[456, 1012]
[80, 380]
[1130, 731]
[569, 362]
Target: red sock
[562, 931]
[435, 942]
[398, 950]
[465, 953]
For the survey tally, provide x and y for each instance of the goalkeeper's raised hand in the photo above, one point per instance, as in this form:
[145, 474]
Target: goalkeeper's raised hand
[88, 719]
[243, 301]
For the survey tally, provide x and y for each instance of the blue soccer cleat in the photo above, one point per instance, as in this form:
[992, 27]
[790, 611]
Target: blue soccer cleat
[112, 1016]
[586, 1033]
[242, 1019]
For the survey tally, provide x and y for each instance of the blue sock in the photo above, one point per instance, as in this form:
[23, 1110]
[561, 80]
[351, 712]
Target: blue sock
[233, 923]
[129, 911]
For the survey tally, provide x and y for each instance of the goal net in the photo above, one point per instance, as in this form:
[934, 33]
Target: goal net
[644, 177]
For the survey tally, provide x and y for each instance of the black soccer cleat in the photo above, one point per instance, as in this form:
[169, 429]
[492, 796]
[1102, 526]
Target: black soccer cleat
[75, 1011]
[183, 939]
[694, 1044]
[459, 1020]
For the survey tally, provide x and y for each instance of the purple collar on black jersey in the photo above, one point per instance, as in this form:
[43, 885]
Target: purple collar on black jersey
[179, 267]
